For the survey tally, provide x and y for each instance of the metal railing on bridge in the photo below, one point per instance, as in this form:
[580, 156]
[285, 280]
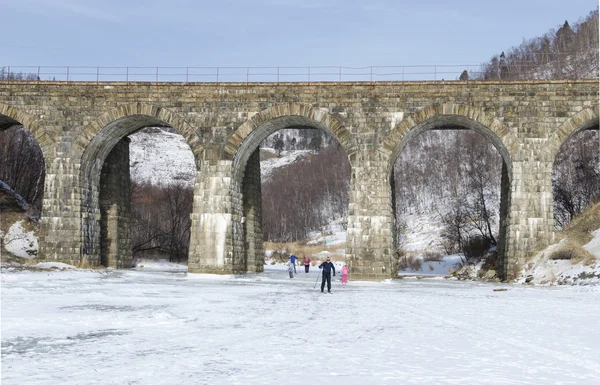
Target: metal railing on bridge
[248, 74]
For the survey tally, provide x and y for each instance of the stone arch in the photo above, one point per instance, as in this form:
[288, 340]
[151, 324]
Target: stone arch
[10, 116]
[141, 115]
[585, 119]
[459, 116]
[449, 114]
[241, 151]
[93, 146]
[582, 120]
[248, 136]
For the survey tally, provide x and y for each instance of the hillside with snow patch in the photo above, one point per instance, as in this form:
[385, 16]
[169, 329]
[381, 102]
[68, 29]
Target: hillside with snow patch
[162, 158]
[273, 161]
[159, 157]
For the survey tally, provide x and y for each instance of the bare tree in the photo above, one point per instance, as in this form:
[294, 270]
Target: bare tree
[576, 176]
[23, 167]
[161, 220]
[6, 74]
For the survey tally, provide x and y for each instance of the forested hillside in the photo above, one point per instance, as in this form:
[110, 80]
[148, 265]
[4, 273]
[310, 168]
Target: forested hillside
[306, 195]
[566, 52]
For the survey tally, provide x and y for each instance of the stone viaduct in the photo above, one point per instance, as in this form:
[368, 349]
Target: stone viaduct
[82, 128]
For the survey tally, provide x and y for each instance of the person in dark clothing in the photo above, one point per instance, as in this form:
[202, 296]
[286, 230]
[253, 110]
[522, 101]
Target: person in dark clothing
[327, 266]
[293, 258]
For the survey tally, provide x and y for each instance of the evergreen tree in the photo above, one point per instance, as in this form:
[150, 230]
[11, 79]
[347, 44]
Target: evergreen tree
[564, 38]
[503, 67]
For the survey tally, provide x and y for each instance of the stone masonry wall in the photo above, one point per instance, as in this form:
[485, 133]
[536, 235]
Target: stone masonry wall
[526, 120]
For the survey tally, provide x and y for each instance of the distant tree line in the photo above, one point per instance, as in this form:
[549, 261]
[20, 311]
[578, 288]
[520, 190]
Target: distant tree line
[6, 74]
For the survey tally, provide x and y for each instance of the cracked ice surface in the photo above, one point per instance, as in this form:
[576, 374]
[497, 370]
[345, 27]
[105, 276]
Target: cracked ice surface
[140, 327]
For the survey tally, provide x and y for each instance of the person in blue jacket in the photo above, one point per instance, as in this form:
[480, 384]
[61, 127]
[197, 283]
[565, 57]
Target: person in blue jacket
[327, 266]
[293, 258]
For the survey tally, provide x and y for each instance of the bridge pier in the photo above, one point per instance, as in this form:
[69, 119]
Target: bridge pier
[211, 239]
[369, 242]
[226, 235]
[61, 225]
[531, 218]
[252, 216]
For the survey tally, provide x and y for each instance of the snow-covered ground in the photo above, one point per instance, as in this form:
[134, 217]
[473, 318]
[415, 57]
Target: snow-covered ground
[159, 265]
[422, 233]
[20, 242]
[445, 266]
[593, 246]
[140, 327]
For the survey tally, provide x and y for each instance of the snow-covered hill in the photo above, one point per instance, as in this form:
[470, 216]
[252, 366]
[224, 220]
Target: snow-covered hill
[159, 157]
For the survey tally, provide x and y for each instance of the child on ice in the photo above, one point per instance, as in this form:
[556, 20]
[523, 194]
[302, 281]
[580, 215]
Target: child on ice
[290, 268]
[345, 272]
[306, 264]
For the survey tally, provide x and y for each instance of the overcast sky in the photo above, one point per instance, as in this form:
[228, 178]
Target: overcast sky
[272, 32]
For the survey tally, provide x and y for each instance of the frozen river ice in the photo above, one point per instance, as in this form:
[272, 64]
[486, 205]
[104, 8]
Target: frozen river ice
[139, 327]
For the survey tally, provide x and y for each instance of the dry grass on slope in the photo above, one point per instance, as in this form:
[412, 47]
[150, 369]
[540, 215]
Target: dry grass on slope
[580, 229]
[301, 249]
[577, 234]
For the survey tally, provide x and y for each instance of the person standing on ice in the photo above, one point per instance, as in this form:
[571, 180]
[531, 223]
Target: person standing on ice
[345, 272]
[293, 259]
[290, 268]
[327, 266]
[306, 264]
